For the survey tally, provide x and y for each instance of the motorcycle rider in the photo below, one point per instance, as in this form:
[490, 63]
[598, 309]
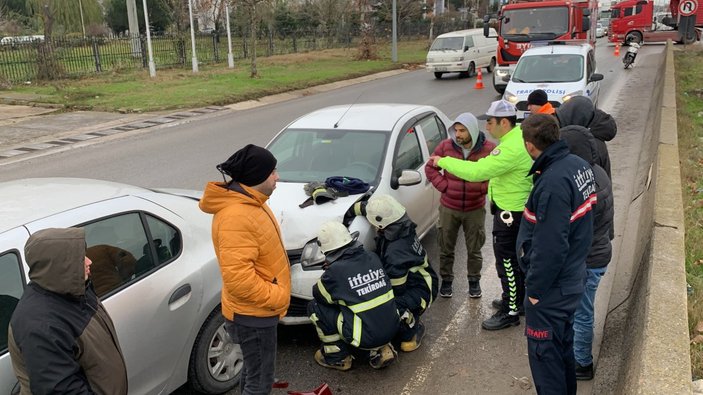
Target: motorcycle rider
[353, 305]
[405, 261]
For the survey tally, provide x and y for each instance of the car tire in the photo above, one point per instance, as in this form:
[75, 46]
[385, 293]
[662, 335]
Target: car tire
[491, 66]
[438, 75]
[215, 362]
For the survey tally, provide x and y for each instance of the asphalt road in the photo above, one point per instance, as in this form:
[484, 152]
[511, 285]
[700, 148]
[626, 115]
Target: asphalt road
[457, 356]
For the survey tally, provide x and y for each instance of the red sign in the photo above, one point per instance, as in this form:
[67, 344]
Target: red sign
[688, 7]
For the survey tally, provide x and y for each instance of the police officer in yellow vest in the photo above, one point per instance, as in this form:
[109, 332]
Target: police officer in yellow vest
[509, 186]
[353, 305]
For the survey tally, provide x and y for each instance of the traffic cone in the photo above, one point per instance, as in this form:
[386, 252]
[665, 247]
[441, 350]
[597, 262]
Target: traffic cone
[479, 80]
[617, 49]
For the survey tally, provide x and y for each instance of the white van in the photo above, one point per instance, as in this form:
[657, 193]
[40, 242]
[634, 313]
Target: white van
[562, 71]
[462, 51]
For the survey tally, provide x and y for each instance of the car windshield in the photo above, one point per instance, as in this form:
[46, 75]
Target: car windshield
[314, 155]
[527, 24]
[549, 68]
[447, 43]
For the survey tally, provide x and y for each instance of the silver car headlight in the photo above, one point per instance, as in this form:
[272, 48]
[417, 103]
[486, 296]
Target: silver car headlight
[510, 97]
[311, 255]
[571, 96]
[502, 72]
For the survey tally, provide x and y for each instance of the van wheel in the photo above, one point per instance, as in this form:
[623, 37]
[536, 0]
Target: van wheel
[438, 75]
[469, 72]
[215, 362]
[491, 66]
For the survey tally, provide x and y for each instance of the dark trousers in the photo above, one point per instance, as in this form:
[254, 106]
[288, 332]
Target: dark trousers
[550, 342]
[324, 317]
[259, 351]
[512, 280]
[473, 224]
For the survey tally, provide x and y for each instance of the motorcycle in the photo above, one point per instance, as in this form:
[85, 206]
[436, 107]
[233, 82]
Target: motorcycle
[630, 55]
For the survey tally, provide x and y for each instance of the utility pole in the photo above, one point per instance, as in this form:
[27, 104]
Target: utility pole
[152, 66]
[80, 6]
[192, 37]
[394, 47]
[133, 21]
[230, 58]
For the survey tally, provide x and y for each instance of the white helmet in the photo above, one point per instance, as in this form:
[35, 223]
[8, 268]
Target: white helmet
[333, 235]
[383, 210]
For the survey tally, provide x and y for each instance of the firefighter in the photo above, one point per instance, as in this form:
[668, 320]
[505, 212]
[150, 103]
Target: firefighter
[353, 305]
[405, 261]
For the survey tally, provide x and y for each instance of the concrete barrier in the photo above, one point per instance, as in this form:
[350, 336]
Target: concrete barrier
[655, 339]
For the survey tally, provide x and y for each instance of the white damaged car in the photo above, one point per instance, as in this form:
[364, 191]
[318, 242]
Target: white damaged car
[561, 70]
[385, 145]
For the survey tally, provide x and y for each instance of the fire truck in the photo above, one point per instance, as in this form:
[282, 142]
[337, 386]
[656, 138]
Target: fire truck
[634, 21]
[524, 24]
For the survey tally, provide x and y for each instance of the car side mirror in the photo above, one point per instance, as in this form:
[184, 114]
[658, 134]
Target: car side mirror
[586, 23]
[466, 48]
[407, 178]
[506, 78]
[595, 77]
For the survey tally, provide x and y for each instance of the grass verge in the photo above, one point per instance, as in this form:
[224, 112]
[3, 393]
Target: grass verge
[689, 90]
[216, 84]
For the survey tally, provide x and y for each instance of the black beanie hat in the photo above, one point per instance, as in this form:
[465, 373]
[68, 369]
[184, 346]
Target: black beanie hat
[538, 97]
[250, 165]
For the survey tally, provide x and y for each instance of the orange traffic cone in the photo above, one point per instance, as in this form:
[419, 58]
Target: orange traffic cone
[479, 80]
[617, 49]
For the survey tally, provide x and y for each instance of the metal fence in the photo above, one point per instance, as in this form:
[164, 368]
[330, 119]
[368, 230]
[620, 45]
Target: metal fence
[83, 56]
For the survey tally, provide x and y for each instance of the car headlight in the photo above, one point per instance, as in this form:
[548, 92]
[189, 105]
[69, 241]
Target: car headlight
[510, 97]
[502, 72]
[571, 95]
[311, 255]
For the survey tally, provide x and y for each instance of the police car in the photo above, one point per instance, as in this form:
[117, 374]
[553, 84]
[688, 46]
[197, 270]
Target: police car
[561, 70]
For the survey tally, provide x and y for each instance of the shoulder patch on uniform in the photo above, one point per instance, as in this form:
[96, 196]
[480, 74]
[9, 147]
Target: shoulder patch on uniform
[495, 151]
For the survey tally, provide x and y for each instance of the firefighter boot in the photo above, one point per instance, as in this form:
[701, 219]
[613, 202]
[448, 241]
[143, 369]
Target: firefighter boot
[382, 356]
[414, 343]
[343, 365]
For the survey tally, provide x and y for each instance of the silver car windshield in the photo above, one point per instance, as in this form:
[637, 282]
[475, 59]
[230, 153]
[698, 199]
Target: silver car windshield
[549, 68]
[314, 155]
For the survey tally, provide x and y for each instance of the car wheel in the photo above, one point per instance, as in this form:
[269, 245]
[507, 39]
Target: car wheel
[438, 75]
[215, 362]
[633, 37]
[491, 66]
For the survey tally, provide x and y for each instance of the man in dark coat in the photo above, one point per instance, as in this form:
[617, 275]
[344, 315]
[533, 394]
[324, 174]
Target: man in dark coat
[582, 143]
[553, 242]
[580, 111]
[61, 339]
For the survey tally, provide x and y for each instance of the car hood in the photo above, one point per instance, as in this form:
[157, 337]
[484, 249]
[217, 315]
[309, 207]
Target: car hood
[300, 225]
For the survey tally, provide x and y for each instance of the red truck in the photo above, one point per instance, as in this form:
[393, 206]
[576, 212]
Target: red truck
[523, 24]
[634, 21]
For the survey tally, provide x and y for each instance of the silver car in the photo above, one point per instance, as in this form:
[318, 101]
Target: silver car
[162, 286]
[385, 145]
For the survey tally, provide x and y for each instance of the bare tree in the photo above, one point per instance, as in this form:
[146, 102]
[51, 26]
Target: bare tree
[48, 67]
[251, 7]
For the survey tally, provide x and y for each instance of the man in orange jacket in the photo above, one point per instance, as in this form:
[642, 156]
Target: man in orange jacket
[253, 262]
[538, 103]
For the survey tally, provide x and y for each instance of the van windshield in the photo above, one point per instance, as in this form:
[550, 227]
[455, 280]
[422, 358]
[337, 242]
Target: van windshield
[549, 68]
[447, 43]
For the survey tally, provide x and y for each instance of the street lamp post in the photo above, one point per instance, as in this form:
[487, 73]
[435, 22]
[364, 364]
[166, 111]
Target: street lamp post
[192, 37]
[152, 67]
[230, 58]
[394, 47]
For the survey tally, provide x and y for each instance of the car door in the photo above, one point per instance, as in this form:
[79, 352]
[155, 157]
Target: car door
[12, 283]
[484, 56]
[592, 87]
[153, 292]
[433, 129]
[410, 153]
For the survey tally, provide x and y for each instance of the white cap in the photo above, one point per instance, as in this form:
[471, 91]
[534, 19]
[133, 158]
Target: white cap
[333, 235]
[500, 109]
[383, 210]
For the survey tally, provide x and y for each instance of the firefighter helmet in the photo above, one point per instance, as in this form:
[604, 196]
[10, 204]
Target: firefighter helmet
[333, 235]
[383, 210]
